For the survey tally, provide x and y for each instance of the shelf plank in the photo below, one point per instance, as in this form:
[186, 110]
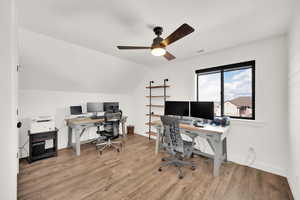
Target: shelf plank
[158, 96]
[158, 106]
[151, 133]
[158, 86]
[150, 123]
[153, 115]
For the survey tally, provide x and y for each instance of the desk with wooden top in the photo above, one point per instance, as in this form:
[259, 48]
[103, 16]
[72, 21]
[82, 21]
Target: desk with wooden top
[79, 125]
[214, 135]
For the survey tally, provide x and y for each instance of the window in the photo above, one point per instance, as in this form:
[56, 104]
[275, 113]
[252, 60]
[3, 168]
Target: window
[209, 85]
[230, 87]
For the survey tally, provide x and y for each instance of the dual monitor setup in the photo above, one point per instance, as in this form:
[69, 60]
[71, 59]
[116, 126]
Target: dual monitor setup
[202, 109]
[95, 107]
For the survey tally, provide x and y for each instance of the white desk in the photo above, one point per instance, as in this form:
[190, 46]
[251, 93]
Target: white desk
[215, 136]
[79, 125]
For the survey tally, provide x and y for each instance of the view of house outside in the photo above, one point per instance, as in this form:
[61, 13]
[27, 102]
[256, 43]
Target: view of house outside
[237, 92]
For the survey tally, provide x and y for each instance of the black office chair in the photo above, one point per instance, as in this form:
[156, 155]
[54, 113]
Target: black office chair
[110, 132]
[175, 146]
[100, 138]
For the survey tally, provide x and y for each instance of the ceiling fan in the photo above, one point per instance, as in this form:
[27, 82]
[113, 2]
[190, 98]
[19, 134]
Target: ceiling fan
[158, 47]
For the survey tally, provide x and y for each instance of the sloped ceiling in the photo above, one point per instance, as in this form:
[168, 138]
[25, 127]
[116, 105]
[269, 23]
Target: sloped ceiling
[70, 45]
[51, 64]
[102, 25]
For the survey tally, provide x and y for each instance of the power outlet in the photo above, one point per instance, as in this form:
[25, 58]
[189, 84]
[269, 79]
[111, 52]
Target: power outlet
[251, 157]
[251, 150]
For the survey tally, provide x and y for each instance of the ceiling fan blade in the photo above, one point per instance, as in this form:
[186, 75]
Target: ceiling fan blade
[169, 56]
[131, 47]
[179, 33]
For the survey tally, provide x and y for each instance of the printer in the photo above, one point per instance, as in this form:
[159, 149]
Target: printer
[42, 124]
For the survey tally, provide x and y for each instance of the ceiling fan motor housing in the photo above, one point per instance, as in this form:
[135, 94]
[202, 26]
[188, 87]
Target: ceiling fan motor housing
[158, 30]
[156, 42]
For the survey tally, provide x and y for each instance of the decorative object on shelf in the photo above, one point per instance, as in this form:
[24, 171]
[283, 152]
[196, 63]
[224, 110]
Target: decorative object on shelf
[150, 105]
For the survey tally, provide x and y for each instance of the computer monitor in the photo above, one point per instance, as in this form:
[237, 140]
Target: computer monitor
[75, 110]
[179, 108]
[202, 109]
[111, 106]
[94, 107]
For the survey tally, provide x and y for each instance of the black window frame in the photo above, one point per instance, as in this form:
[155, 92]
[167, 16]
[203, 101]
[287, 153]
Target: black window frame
[230, 67]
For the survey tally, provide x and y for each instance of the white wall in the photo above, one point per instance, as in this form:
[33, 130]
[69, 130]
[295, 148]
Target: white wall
[41, 102]
[56, 74]
[294, 104]
[51, 64]
[268, 133]
[8, 136]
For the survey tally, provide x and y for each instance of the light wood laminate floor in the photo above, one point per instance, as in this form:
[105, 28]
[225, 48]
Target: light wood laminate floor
[132, 174]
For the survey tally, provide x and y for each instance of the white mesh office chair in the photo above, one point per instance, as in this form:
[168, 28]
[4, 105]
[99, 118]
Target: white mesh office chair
[178, 149]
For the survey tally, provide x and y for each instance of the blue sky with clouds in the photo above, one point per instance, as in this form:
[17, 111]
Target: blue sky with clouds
[236, 83]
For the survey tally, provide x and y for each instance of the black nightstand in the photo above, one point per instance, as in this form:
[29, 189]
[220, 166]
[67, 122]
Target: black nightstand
[37, 142]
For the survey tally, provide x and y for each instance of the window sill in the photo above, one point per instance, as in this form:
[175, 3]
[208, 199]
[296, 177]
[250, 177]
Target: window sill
[247, 122]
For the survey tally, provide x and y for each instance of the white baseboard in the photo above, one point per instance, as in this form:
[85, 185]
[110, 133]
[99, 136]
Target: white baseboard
[145, 135]
[259, 165]
[292, 181]
[241, 160]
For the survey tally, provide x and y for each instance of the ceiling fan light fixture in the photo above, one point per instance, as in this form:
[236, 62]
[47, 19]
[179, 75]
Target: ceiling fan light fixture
[158, 51]
[158, 47]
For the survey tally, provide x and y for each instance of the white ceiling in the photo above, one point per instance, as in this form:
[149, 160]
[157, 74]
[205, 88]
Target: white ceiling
[102, 25]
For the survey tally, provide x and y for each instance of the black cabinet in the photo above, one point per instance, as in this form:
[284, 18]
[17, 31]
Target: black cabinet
[37, 145]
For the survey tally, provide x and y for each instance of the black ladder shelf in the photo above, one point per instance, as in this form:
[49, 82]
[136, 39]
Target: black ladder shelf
[150, 105]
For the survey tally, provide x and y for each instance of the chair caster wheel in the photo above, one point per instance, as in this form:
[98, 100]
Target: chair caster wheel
[180, 177]
[193, 168]
[159, 169]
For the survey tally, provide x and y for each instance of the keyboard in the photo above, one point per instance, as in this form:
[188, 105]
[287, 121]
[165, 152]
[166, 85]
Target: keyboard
[80, 117]
[199, 124]
[97, 117]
